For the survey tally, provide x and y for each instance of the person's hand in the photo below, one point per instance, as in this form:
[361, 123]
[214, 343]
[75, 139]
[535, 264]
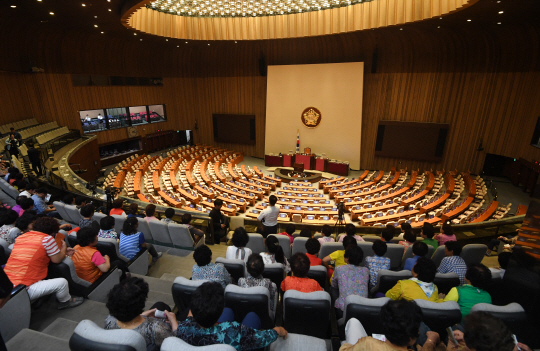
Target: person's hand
[433, 337]
[65, 226]
[64, 246]
[223, 226]
[522, 346]
[70, 251]
[149, 313]
[281, 332]
[442, 296]
[171, 319]
[106, 257]
[458, 335]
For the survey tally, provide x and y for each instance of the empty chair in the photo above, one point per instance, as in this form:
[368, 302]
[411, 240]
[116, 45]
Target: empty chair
[256, 243]
[181, 237]
[255, 299]
[446, 281]
[285, 244]
[328, 248]
[16, 313]
[367, 311]
[439, 315]
[513, 314]
[318, 273]
[387, 279]
[234, 223]
[298, 342]
[235, 267]
[160, 232]
[73, 213]
[473, 253]
[89, 336]
[145, 229]
[62, 211]
[307, 313]
[299, 245]
[395, 253]
[174, 344]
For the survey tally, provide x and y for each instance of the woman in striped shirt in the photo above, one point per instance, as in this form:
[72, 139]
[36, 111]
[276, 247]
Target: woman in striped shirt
[132, 241]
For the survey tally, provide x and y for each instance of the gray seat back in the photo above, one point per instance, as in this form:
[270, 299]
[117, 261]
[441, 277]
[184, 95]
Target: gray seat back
[160, 232]
[395, 253]
[367, 311]
[119, 223]
[298, 342]
[371, 238]
[438, 256]
[328, 248]
[175, 344]
[307, 313]
[235, 267]
[180, 236]
[299, 245]
[319, 274]
[145, 229]
[15, 315]
[62, 211]
[73, 213]
[254, 299]
[446, 281]
[409, 254]
[511, 313]
[98, 216]
[439, 315]
[89, 336]
[387, 279]
[473, 253]
[367, 249]
[255, 243]
[182, 289]
[285, 244]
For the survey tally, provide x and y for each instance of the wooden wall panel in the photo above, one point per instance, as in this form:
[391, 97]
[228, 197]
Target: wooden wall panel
[88, 158]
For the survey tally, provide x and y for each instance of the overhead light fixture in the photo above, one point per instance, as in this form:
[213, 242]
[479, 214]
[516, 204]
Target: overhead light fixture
[235, 42]
[110, 10]
[438, 26]
[166, 39]
[499, 22]
[134, 33]
[102, 32]
[177, 46]
[95, 16]
[208, 44]
[186, 42]
[400, 28]
[83, 5]
[501, 12]
[95, 25]
[469, 20]
[51, 13]
[13, 6]
[141, 39]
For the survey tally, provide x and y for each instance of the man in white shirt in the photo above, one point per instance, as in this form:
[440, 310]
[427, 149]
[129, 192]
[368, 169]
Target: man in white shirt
[269, 216]
[30, 190]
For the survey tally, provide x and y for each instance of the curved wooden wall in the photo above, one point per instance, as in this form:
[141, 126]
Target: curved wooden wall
[366, 15]
[481, 78]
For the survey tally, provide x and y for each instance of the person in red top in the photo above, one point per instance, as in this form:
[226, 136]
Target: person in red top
[299, 281]
[117, 208]
[313, 246]
[29, 262]
[88, 261]
[289, 230]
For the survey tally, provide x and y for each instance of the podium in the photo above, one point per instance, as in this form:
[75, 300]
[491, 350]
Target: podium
[298, 167]
[288, 160]
[321, 164]
[306, 159]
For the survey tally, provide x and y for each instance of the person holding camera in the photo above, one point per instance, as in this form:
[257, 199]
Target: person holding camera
[269, 216]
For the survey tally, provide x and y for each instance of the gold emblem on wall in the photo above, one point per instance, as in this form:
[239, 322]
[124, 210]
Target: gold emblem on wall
[311, 117]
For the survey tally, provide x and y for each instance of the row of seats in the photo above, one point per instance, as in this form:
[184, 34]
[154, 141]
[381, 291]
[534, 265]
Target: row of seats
[41, 128]
[5, 128]
[46, 137]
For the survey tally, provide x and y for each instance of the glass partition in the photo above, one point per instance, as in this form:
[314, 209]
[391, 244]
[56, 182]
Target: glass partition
[93, 120]
[157, 113]
[138, 114]
[117, 117]
[120, 117]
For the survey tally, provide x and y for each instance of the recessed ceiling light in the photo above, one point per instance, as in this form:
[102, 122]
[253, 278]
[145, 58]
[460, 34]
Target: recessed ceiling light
[499, 22]
[469, 20]
[440, 17]
[110, 10]
[95, 25]
[51, 13]
[102, 32]
[438, 26]
[95, 16]
[235, 42]
[134, 33]
[83, 5]
[13, 6]
[186, 42]
[177, 46]
[501, 12]
[141, 39]
[166, 39]
[208, 44]
[400, 28]
[498, 2]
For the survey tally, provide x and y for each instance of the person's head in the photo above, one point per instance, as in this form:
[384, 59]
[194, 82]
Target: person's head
[20, 184]
[452, 248]
[46, 225]
[68, 199]
[107, 223]
[424, 270]
[150, 210]
[19, 176]
[30, 144]
[272, 245]
[408, 234]
[305, 233]
[117, 203]
[207, 303]
[13, 170]
[447, 229]
[401, 322]
[31, 188]
[326, 230]
[479, 276]
[202, 255]
[41, 192]
[26, 221]
[348, 241]
[169, 213]
[87, 236]
[379, 247]
[80, 201]
[8, 217]
[354, 255]
[130, 226]
[289, 229]
[19, 199]
[240, 237]
[504, 259]
[12, 129]
[485, 332]
[133, 208]
[12, 136]
[126, 300]
[300, 265]
[87, 211]
[387, 234]
[186, 218]
[255, 265]
[218, 203]
[350, 229]
[427, 231]
[313, 246]
[27, 204]
[420, 249]
[272, 200]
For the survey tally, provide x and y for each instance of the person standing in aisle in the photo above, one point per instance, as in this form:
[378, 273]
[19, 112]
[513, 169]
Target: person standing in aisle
[269, 216]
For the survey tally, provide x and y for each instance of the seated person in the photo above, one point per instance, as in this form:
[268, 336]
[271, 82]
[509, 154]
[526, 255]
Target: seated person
[169, 214]
[106, 228]
[274, 253]
[87, 212]
[204, 269]
[23, 224]
[80, 202]
[338, 256]
[289, 230]
[503, 259]
[134, 211]
[88, 261]
[408, 236]
[41, 207]
[427, 233]
[117, 208]
[26, 205]
[18, 177]
[350, 279]
[196, 234]
[126, 305]
[238, 250]
[17, 208]
[452, 263]
[477, 278]
[29, 263]
[132, 241]
[150, 211]
[420, 286]
[419, 249]
[350, 230]
[377, 262]
[255, 269]
[299, 280]
[313, 246]
[305, 233]
[401, 322]
[493, 245]
[68, 199]
[327, 235]
[447, 234]
[7, 222]
[388, 233]
[209, 322]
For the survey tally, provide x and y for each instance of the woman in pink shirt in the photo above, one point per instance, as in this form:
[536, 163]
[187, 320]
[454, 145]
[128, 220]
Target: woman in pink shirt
[289, 230]
[350, 230]
[327, 232]
[447, 234]
[149, 212]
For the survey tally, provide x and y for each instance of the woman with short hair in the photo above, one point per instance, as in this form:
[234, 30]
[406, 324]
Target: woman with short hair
[204, 269]
[255, 269]
[239, 250]
[132, 241]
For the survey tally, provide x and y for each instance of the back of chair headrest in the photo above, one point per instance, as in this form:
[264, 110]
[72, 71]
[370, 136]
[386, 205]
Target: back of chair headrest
[174, 344]
[513, 307]
[88, 336]
[188, 282]
[440, 306]
[317, 269]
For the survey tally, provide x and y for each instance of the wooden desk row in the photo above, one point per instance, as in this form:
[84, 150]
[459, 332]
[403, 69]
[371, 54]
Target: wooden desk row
[487, 213]
[458, 210]
[258, 172]
[432, 206]
[357, 213]
[380, 188]
[328, 182]
[395, 216]
[245, 172]
[420, 195]
[252, 182]
[247, 197]
[258, 193]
